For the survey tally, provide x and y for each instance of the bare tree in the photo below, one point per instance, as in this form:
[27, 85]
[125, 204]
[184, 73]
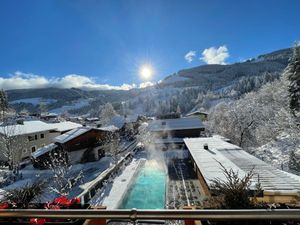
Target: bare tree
[12, 145]
[24, 195]
[64, 179]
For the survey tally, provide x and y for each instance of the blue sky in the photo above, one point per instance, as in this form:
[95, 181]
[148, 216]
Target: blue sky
[106, 42]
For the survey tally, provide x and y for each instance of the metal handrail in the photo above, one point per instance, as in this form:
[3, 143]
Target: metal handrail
[136, 214]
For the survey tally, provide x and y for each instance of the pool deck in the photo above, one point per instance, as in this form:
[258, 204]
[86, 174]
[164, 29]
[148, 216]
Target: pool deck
[116, 189]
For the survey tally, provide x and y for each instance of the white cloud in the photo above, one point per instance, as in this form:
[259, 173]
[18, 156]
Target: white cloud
[146, 84]
[215, 55]
[189, 57]
[20, 80]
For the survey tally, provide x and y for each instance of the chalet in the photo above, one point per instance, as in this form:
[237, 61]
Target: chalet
[28, 136]
[172, 131]
[84, 143]
[207, 154]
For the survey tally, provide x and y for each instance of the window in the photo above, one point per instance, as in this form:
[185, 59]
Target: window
[42, 135]
[35, 137]
[33, 149]
[30, 138]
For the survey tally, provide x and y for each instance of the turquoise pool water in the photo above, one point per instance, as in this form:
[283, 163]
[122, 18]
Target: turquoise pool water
[148, 190]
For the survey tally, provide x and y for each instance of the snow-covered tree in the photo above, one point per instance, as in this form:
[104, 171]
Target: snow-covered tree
[3, 103]
[11, 146]
[64, 179]
[107, 113]
[293, 76]
[294, 161]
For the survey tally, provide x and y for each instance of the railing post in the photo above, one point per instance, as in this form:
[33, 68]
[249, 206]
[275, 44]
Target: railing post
[191, 222]
[96, 221]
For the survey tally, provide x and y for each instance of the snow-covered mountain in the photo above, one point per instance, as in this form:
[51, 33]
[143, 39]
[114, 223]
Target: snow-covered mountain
[192, 82]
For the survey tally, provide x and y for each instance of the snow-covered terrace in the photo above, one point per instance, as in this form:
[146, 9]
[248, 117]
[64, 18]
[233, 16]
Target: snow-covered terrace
[235, 158]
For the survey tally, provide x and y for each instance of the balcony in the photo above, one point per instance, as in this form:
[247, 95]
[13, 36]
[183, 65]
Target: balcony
[188, 216]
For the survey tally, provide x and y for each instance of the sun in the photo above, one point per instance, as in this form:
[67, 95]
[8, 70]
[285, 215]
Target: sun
[146, 72]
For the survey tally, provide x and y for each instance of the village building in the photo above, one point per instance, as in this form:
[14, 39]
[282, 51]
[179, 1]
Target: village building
[49, 117]
[84, 143]
[199, 113]
[208, 153]
[172, 131]
[28, 136]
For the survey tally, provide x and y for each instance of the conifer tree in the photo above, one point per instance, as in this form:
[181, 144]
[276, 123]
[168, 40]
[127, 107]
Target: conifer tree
[294, 161]
[293, 76]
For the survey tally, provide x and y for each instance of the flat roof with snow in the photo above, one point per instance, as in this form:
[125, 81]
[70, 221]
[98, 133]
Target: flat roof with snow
[36, 126]
[185, 123]
[235, 158]
[27, 127]
[64, 126]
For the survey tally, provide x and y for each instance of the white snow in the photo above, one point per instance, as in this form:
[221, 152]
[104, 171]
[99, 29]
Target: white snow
[27, 128]
[35, 126]
[64, 126]
[277, 151]
[43, 150]
[233, 157]
[71, 134]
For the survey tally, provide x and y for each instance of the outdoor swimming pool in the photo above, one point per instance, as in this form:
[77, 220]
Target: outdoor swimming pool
[148, 189]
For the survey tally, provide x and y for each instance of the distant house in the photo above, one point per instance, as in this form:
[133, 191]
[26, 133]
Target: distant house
[126, 125]
[201, 114]
[49, 116]
[206, 154]
[172, 131]
[34, 134]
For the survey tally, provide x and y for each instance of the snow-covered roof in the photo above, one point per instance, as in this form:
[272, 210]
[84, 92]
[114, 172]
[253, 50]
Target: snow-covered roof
[235, 158]
[111, 128]
[28, 127]
[91, 119]
[35, 126]
[176, 124]
[65, 126]
[117, 121]
[71, 134]
[197, 112]
[43, 150]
